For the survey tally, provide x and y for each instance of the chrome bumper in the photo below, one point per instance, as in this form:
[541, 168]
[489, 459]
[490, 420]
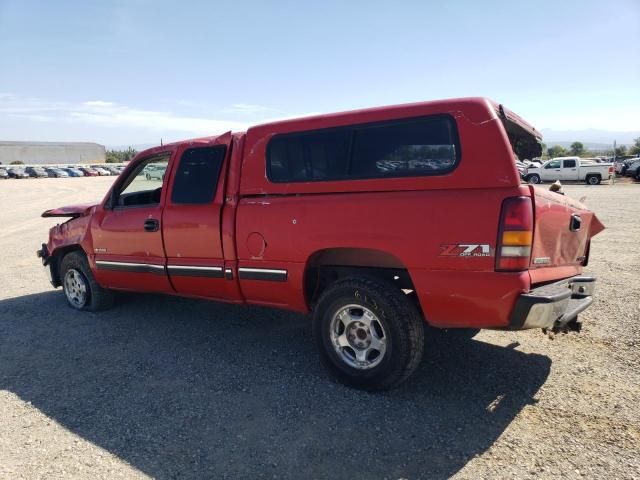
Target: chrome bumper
[553, 305]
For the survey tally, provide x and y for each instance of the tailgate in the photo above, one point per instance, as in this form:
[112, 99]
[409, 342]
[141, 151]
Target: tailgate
[562, 230]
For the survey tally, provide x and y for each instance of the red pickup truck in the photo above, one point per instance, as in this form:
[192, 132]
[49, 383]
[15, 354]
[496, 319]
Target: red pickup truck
[376, 221]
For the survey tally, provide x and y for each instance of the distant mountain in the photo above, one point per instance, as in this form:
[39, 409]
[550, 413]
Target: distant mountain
[591, 138]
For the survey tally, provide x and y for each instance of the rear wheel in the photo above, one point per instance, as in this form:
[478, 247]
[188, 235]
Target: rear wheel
[369, 333]
[80, 287]
[593, 180]
[533, 178]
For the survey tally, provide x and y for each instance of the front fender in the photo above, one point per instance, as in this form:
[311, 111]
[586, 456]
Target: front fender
[66, 237]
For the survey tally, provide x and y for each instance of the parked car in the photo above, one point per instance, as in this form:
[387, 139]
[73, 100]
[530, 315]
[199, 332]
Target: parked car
[89, 172]
[57, 173]
[532, 163]
[17, 173]
[74, 172]
[101, 171]
[570, 169]
[522, 168]
[633, 170]
[154, 172]
[3, 174]
[622, 165]
[307, 215]
[36, 172]
[112, 170]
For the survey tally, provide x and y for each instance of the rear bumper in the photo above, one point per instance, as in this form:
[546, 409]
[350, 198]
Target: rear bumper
[553, 305]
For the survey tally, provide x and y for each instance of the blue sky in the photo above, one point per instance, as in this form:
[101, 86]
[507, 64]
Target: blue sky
[131, 72]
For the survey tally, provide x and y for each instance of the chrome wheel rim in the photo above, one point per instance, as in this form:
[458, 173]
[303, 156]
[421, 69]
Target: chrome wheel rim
[75, 288]
[358, 337]
[535, 180]
[593, 180]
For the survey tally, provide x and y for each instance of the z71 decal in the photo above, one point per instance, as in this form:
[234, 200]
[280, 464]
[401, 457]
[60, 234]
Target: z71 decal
[466, 250]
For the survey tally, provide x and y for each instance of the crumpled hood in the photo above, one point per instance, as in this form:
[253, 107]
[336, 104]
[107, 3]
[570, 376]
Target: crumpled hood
[73, 211]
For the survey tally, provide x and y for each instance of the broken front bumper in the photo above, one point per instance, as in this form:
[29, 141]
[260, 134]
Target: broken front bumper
[553, 305]
[43, 253]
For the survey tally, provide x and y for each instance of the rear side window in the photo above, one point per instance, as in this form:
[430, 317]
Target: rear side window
[569, 164]
[309, 156]
[197, 175]
[408, 147]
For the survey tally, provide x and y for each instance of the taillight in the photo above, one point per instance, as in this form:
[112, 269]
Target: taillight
[515, 234]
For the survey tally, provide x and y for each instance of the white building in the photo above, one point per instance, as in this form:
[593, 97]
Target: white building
[32, 153]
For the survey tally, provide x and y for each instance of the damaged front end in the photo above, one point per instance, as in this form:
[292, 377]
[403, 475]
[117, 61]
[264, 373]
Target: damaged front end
[64, 237]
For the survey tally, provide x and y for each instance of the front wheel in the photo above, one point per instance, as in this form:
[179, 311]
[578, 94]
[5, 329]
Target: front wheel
[534, 178]
[369, 333]
[80, 287]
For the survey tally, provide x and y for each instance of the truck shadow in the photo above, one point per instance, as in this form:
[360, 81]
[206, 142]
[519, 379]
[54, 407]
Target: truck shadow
[192, 389]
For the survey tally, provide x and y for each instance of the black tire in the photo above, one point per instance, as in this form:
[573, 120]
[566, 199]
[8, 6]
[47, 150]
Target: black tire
[96, 298]
[402, 324]
[593, 180]
[534, 178]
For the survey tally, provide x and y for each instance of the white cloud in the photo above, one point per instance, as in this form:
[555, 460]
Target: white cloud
[110, 114]
[248, 109]
[31, 118]
[98, 103]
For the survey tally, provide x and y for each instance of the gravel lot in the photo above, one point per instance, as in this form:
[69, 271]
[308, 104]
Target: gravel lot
[166, 387]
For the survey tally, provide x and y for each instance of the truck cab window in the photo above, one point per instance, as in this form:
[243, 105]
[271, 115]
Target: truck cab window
[569, 164]
[143, 186]
[197, 175]
[553, 164]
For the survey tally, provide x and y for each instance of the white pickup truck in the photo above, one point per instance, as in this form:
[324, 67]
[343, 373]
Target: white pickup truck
[569, 169]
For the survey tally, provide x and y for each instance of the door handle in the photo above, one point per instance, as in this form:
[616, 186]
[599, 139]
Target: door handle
[151, 225]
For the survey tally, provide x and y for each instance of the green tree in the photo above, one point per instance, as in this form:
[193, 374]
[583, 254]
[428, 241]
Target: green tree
[635, 149]
[120, 156]
[556, 151]
[17, 162]
[577, 149]
[621, 151]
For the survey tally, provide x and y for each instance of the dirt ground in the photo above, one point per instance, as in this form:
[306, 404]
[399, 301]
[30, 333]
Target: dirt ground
[172, 388]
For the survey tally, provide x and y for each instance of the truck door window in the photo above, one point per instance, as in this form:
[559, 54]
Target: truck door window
[569, 164]
[197, 175]
[553, 164]
[143, 186]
